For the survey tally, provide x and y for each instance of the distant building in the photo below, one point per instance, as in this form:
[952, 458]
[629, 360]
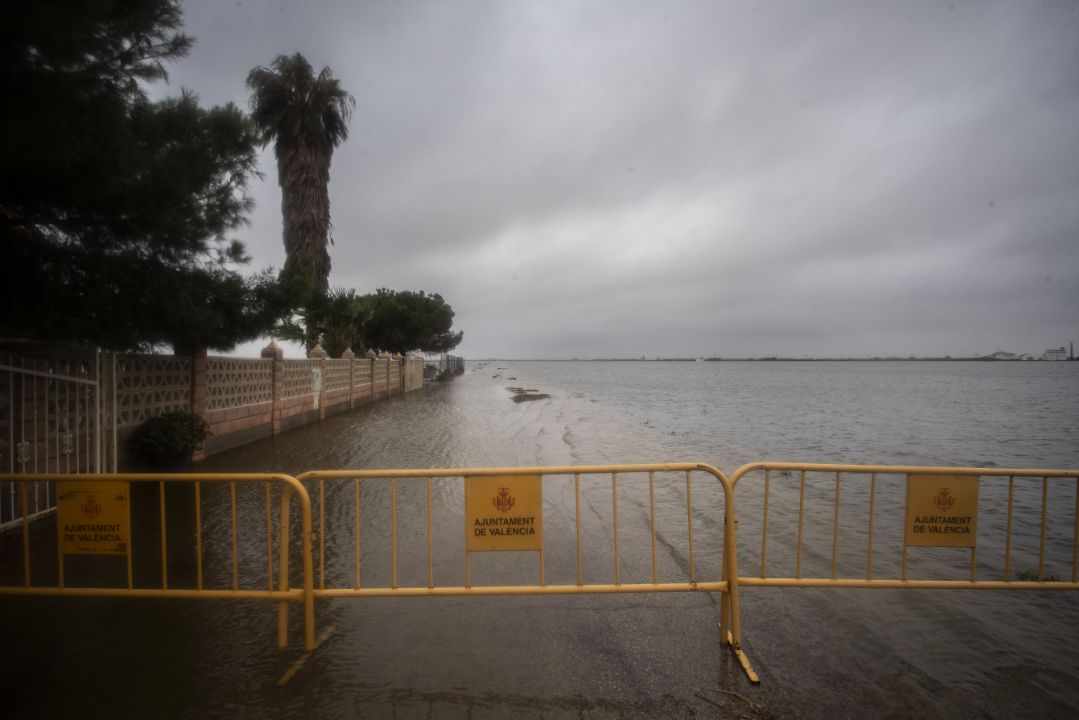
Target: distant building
[1055, 354]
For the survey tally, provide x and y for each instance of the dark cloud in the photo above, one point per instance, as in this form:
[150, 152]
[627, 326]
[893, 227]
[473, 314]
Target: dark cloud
[687, 178]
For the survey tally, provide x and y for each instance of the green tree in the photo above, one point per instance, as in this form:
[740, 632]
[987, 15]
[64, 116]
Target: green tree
[306, 116]
[115, 211]
[403, 321]
[386, 320]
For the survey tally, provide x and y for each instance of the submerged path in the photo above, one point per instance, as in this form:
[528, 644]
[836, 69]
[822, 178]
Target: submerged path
[820, 653]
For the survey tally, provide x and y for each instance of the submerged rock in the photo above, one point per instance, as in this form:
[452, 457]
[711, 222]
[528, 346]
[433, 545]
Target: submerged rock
[523, 397]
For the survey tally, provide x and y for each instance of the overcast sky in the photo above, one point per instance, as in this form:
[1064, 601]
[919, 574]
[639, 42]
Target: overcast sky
[617, 179]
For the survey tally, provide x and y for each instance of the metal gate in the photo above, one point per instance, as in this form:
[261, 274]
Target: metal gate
[50, 422]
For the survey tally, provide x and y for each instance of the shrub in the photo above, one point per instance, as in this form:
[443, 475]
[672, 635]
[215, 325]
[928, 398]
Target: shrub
[168, 437]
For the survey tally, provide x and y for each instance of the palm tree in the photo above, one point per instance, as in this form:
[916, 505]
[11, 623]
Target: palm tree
[337, 321]
[307, 118]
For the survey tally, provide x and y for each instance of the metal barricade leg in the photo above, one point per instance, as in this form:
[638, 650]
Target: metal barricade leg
[282, 605]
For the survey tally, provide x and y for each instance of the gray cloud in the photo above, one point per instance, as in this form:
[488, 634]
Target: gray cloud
[600, 179]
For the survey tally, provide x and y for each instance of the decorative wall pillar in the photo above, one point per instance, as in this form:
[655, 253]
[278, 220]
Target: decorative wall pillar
[369, 358]
[275, 353]
[199, 392]
[351, 357]
[318, 355]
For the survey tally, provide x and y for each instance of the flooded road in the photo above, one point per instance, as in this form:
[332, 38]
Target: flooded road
[819, 652]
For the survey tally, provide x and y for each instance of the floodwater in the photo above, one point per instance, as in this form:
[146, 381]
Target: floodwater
[819, 652]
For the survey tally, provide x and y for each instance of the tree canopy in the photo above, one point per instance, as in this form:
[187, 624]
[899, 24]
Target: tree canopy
[115, 211]
[402, 321]
[386, 320]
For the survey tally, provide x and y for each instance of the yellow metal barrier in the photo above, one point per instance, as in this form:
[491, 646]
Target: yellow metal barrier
[93, 517]
[941, 525]
[515, 523]
[898, 512]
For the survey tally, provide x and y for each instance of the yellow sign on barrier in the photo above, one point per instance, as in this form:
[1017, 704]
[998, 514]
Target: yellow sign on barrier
[942, 511]
[92, 518]
[503, 512]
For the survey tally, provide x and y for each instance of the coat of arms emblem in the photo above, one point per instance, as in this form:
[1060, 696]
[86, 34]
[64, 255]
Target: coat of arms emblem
[91, 509]
[944, 500]
[503, 501]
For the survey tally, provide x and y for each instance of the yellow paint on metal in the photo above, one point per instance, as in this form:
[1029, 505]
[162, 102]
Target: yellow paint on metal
[302, 660]
[503, 512]
[896, 584]
[517, 492]
[91, 518]
[614, 517]
[743, 660]
[111, 513]
[294, 595]
[164, 535]
[25, 538]
[454, 591]
[512, 478]
[942, 511]
[928, 501]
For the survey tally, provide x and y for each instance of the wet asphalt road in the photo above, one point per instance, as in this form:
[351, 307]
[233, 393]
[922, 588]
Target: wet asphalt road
[819, 655]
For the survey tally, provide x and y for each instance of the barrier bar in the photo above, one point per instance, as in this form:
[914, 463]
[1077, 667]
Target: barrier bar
[614, 507]
[269, 539]
[393, 528]
[652, 519]
[450, 591]
[33, 405]
[1008, 541]
[293, 595]
[235, 538]
[25, 539]
[764, 523]
[430, 541]
[198, 540]
[835, 528]
[577, 495]
[356, 505]
[689, 525]
[282, 575]
[130, 569]
[801, 515]
[164, 549]
[1075, 533]
[751, 581]
[1041, 540]
[321, 534]
[869, 547]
